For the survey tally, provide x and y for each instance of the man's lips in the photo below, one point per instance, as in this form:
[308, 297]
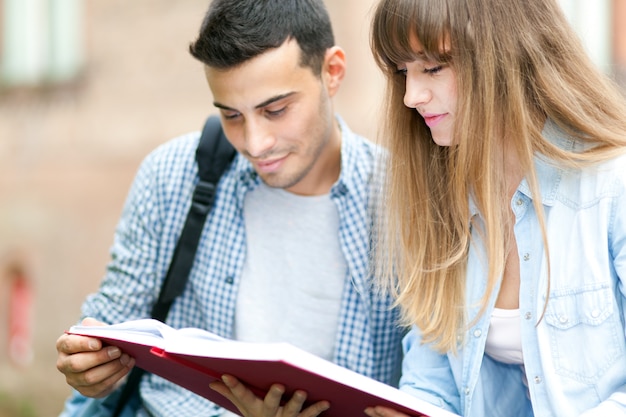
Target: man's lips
[270, 165]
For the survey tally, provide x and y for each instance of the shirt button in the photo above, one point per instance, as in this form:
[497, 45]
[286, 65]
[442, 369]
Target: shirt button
[340, 190]
[537, 380]
[563, 319]
[477, 332]
[527, 256]
[528, 315]
[467, 391]
[595, 313]
[229, 280]
[519, 202]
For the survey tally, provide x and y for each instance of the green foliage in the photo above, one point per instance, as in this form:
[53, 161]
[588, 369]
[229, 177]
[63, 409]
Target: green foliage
[16, 407]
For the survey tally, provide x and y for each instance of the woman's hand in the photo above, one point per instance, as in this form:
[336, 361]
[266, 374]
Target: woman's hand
[383, 412]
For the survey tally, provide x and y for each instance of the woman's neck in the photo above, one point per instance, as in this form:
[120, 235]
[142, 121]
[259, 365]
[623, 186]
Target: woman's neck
[513, 171]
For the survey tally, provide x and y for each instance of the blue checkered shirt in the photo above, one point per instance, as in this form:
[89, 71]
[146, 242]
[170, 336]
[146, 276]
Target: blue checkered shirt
[368, 340]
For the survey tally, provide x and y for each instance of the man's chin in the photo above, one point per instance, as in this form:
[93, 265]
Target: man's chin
[275, 181]
[278, 181]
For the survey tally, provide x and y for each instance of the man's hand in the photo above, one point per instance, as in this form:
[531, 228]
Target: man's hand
[90, 368]
[252, 406]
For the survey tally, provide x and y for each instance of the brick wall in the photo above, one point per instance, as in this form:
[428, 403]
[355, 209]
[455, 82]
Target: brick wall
[68, 154]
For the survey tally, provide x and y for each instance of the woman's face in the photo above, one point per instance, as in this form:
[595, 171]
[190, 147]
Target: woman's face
[431, 90]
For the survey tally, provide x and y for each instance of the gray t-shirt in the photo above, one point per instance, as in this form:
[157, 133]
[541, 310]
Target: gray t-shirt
[294, 273]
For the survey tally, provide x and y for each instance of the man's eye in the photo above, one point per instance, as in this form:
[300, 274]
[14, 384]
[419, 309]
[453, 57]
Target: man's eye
[277, 112]
[230, 116]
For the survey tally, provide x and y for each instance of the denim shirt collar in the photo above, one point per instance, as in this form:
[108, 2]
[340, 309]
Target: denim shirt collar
[548, 173]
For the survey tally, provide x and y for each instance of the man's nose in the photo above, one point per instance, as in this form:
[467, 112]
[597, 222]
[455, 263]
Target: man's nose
[259, 138]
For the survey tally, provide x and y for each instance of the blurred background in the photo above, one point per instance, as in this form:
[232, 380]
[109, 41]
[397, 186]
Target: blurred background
[87, 89]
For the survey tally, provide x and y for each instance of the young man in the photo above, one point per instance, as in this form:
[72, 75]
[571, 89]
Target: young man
[284, 253]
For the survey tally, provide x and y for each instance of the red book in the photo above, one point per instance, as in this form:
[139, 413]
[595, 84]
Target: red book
[193, 358]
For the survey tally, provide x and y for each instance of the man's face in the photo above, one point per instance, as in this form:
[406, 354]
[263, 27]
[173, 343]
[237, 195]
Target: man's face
[279, 116]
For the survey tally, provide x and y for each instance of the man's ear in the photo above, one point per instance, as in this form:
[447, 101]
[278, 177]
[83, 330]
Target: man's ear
[333, 69]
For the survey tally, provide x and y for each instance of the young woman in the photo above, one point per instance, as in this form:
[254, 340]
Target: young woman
[504, 237]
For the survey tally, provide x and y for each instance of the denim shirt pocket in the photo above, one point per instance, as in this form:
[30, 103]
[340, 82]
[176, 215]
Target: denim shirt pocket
[584, 329]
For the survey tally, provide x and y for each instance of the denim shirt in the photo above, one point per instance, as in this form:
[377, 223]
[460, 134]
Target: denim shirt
[575, 352]
[367, 341]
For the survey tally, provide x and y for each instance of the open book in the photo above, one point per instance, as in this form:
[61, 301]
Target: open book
[193, 358]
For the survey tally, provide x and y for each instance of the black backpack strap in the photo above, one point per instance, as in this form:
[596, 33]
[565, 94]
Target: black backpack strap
[213, 155]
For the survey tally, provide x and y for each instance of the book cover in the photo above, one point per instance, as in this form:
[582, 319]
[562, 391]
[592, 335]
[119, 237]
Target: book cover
[193, 358]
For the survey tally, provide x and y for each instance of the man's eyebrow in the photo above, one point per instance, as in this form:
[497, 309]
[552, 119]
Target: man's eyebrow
[274, 99]
[260, 105]
[223, 107]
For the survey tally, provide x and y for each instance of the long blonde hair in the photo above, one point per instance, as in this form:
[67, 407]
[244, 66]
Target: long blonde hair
[517, 62]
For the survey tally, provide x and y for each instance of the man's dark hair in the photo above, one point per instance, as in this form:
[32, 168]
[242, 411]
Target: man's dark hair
[234, 31]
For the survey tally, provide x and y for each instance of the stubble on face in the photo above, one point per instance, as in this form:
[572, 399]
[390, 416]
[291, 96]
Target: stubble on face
[310, 152]
[278, 114]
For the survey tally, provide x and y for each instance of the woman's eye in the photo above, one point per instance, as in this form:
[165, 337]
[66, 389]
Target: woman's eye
[401, 71]
[433, 70]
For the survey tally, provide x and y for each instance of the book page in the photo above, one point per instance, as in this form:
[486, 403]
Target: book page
[144, 331]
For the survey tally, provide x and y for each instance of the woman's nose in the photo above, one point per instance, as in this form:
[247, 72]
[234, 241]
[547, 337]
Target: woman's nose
[416, 92]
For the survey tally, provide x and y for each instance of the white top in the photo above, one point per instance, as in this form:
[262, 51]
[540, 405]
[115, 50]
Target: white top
[504, 340]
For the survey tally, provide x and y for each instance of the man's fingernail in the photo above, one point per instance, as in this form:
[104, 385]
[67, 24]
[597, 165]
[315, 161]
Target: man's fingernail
[114, 352]
[124, 359]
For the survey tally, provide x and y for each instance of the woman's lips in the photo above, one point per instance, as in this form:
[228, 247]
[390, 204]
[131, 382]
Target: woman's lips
[433, 120]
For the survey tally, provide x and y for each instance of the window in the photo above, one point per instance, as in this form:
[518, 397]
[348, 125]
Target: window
[41, 41]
